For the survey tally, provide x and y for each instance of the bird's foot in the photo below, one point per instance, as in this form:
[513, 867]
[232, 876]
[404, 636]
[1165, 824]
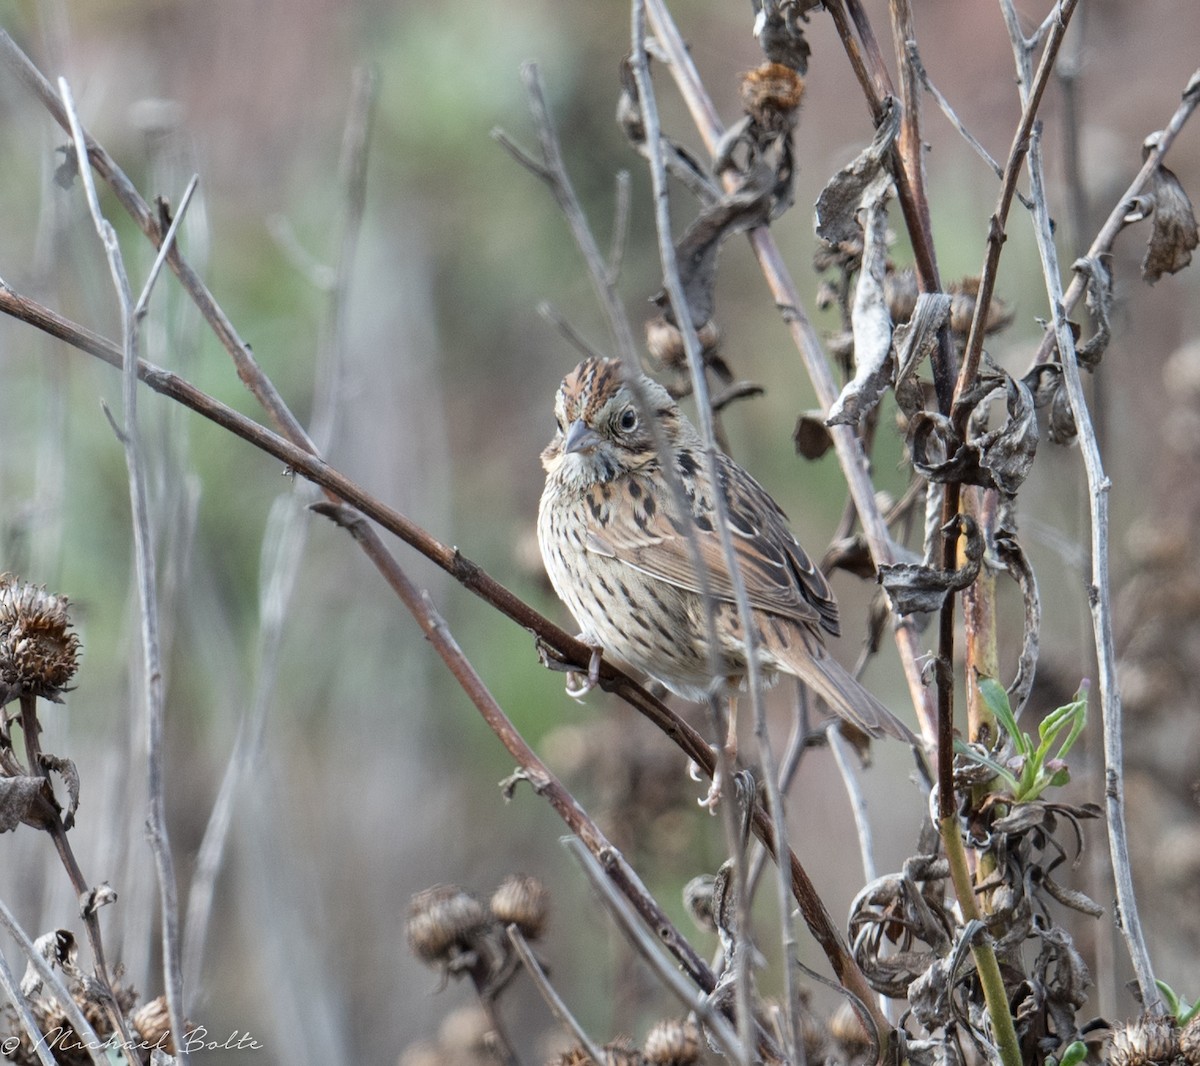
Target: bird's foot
[580, 684]
[717, 788]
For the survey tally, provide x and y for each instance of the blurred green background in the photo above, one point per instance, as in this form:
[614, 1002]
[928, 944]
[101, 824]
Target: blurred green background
[375, 777]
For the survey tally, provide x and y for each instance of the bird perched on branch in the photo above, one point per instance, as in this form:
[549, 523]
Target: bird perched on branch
[620, 548]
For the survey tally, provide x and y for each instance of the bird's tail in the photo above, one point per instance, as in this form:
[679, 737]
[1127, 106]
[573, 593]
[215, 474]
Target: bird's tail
[810, 661]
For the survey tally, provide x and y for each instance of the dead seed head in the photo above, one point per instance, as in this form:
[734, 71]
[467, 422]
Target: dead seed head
[442, 920]
[153, 1024]
[665, 343]
[771, 96]
[618, 1053]
[38, 652]
[1189, 1041]
[523, 901]
[673, 1043]
[846, 1028]
[1147, 1041]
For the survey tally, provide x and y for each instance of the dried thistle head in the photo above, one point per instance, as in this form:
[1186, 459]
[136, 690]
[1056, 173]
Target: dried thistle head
[442, 922]
[665, 342]
[771, 95]
[152, 1023]
[1148, 1040]
[523, 901]
[70, 1048]
[848, 1032]
[672, 1042]
[38, 652]
[1189, 1041]
[617, 1053]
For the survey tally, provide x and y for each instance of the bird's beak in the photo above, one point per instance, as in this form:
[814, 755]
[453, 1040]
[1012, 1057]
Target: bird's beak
[580, 438]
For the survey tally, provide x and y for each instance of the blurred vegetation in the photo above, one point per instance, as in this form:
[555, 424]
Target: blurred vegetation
[376, 778]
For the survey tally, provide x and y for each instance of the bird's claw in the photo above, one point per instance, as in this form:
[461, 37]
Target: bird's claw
[579, 684]
[717, 787]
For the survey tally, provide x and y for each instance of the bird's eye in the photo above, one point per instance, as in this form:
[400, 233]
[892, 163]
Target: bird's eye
[629, 420]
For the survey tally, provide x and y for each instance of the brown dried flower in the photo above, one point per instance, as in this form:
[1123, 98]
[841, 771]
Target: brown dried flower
[1189, 1041]
[771, 95]
[524, 901]
[1148, 1040]
[152, 1022]
[673, 1043]
[848, 1031]
[618, 1053]
[665, 342]
[442, 920]
[38, 652]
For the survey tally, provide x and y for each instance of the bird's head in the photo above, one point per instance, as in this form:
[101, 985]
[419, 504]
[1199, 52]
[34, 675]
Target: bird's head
[601, 423]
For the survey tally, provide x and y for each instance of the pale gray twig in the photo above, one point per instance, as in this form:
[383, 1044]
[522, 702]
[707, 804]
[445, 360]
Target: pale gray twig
[9, 983]
[139, 309]
[1117, 220]
[572, 336]
[552, 170]
[551, 997]
[840, 748]
[1099, 592]
[695, 358]
[650, 951]
[620, 233]
[87, 1035]
[287, 532]
[152, 671]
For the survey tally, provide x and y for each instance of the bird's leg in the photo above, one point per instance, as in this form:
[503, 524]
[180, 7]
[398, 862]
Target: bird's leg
[731, 748]
[579, 685]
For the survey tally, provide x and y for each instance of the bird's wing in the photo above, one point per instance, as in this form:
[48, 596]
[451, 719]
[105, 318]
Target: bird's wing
[779, 577]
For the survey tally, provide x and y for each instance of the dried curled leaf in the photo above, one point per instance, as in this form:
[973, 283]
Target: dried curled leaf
[916, 339]
[696, 251]
[1174, 233]
[1046, 385]
[999, 458]
[1099, 300]
[870, 322]
[1012, 556]
[838, 204]
[913, 587]
[811, 436]
[22, 799]
[58, 948]
[65, 768]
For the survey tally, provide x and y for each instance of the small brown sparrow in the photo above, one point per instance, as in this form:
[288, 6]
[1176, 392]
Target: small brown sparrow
[615, 546]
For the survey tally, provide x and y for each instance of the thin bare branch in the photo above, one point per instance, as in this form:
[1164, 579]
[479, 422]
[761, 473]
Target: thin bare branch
[146, 219]
[1157, 149]
[851, 457]
[572, 336]
[620, 231]
[552, 170]
[551, 997]
[840, 748]
[88, 1035]
[634, 932]
[1099, 595]
[695, 359]
[139, 309]
[152, 677]
[11, 989]
[532, 769]
[1031, 102]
